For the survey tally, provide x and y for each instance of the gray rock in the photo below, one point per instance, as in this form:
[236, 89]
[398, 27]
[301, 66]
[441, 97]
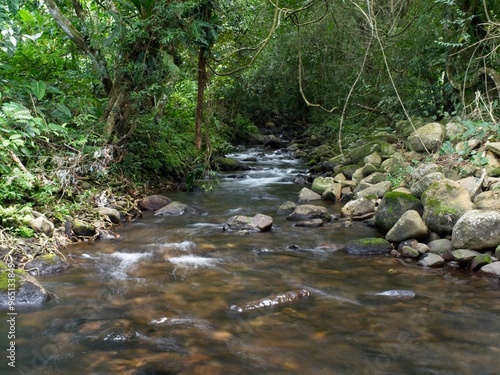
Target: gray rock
[377, 190]
[374, 158]
[320, 184]
[257, 223]
[420, 185]
[477, 230]
[410, 252]
[393, 206]
[114, 215]
[368, 246]
[307, 195]
[479, 261]
[358, 207]
[286, 208]
[30, 292]
[464, 256]
[410, 225]
[178, 209]
[333, 192]
[440, 247]
[431, 260]
[314, 223]
[154, 202]
[309, 212]
[444, 203]
[494, 147]
[492, 269]
[489, 200]
[46, 264]
[429, 137]
[42, 225]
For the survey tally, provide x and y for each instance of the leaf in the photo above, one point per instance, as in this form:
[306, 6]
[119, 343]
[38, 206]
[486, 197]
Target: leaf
[13, 6]
[39, 89]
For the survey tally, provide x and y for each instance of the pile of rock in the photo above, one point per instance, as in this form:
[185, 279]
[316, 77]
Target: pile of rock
[434, 210]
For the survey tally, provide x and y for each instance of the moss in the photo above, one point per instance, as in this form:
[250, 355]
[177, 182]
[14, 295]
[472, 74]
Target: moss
[4, 277]
[371, 241]
[401, 195]
[49, 258]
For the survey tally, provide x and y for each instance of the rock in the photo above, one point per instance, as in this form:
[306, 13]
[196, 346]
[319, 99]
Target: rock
[271, 141]
[314, 223]
[358, 207]
[424, 169]
[494, 147]
[257, 223]
[46, 264]
[465, 147]
[320, 184]
[393, 206]
[375, 178]
[420, 185]
[368, 246]
[333, 192]
[29, 291]
[374, 158]
[307, 195]
[42, 225]
[397, 293]
[410, 225]
[368, 169]
[394, 164]
[497, 252]
[410, 252]
[309, 212]
[357, 154]
[470, 184]
[178, 209]
[464, 256]
[114, 215]
[431, 260]
[348, 170]
[479, 261]
[286, 208]
[493, 165]
[228, 165]
[444, 203]
[429, 137]
[319, 153]
[82, 229]
[489, 200]
[477, 230]
[377, 190]
[153, 202]
[271, 301]
[492, 269]
[441, 246]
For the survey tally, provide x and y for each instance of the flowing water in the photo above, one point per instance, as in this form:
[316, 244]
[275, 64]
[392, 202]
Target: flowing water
[157, 300]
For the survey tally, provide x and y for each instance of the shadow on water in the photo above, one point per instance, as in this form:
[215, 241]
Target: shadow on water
[157, 300]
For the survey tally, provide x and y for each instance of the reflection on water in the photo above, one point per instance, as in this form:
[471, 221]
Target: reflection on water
[156, 301]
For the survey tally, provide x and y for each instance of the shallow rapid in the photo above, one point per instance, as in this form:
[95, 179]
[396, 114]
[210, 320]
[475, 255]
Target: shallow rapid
[158, 299]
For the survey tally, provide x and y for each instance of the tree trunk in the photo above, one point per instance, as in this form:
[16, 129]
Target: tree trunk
[202, 84]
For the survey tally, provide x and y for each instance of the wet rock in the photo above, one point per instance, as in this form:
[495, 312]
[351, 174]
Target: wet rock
[477, 230]
[120, 336]
[314, 223]
[397, 293]
[368, 246]
[410, 252]
[309, 212]
[444, 203]
[429, 137]
[154, 202]
[271, 301]
[431, 260]
[492, 269]
[258, 223]
[464, 256]
[410, 225]
[29, 291]
[393, 206]
[111, 213]
[286, 208]
[479, 261]
[271, 141]
[46, 264]
[441, 247]
[178, 209]
[358, 207]
[82, 229]
[307, 195]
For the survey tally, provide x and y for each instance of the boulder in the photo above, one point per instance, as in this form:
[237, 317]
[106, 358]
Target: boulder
[82, 229]
[429, 137]
[358, 207]
[431, 260]
[29, 291]
[394, 164]
[444, 203]
[464, 256]
[257, 223]
[309, 212]
[374, 159]
[494, 147]
[377, 190]
[319, 153]
[307, 195]
[489, 200]
[357, 154]
[320, 184]
[410, 225]
[111, 213]
[271, 141]
[477, 230]
[424, 169]
[42, 225]
[286, 208]
[46, 264]
[441, 247]
[153, 202]
[420, 185]
[492, 269]
[393, 206]
[178, 209]
[409, 252]
[333, 192]
[228, 164]
[368, 246]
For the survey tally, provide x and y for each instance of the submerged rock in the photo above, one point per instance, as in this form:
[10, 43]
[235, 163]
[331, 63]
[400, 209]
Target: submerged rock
[271, 301]
[397, 293]
[368, 246]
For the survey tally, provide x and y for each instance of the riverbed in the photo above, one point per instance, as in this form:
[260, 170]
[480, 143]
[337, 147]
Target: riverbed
[157, 299]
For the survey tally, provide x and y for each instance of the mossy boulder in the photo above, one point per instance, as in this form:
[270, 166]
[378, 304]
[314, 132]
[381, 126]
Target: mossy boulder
[357, 154]
[368, 246]
[444, 203]
[227, 164]
[393, 206]
[320, 153]
[320, 184]
[410, 225]
[429, 137]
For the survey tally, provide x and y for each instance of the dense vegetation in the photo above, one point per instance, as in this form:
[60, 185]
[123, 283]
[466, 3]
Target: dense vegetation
[130, 94]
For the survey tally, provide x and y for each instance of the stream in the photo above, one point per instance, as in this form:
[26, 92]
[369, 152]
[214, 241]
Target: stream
[157, 299]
